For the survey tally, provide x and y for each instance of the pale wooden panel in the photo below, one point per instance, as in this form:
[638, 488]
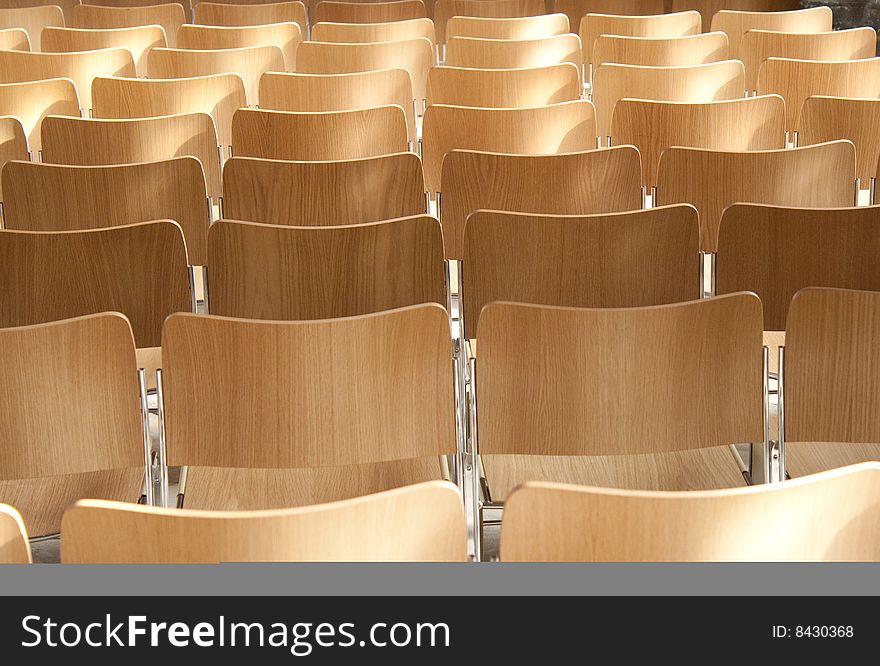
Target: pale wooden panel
[678, 24]
[170, 16]
[753, 123]
[393, 31]
[32, 101]
[698, 83]
[14, 39]
[511, 53]
[14, 545]
[576, 381]
[13, 142]
[186, 4]
[504, 88]
[524, 27]
[139, 270]
[660, 51]
[831, 517]
[259, 271]
[576, 9]
[323, 193]
[414, 55]
[82, 68]
[33, 5]
[286, 36]
[93, 142]
[368, 12]
[819, 176]
[775, 252]
[446, 9]
[232, 15]
[219, 96]
[138, 40]
[419, 523]
[306, 391]
[333, 135]
[557, 128]
[708, 8]
[738, 23]
[618, 260]
[32, 19]
[596, 181]
[50, 197]
[803, 458]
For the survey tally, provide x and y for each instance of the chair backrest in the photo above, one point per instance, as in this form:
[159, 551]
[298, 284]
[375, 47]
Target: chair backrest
[14, 545]
[82, 68]
[140, 270]
[323, 193]
[511, 53]
[582, 183]
[698, 83]
[833, 516]
[367, 12]
[522, 27]
[13, 142]
[249, 62]
[139, 40]
[339, 92]
[260, 271]
[708, 8]
[660, 51]
[820, 176]
[31, 19]
[738, 23]
[170, 16]
[748, 123]
[615, 381]
[317, 367]
[577, 9]
[424, 522]
[32, 101]
[504, 88]
[94, 197]
[93, 142]
[14, 39]
[327, 136]
[231, 15]
[446, 9]
[219, 95]
[548, 130]
[286, 36]
[775, 252]
[797, 80]
[392, 31]
[616, 260]
[414, 55]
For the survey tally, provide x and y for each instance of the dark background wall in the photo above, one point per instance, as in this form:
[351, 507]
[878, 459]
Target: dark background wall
[851, 13]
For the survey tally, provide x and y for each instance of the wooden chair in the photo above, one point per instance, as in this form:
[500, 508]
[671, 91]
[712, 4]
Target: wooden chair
[708, 8]
[249, 62]
[356, 33]
[278, 445]
[323, 193]
[616, 260]
[797, 80]
[81, 68]
[750, 123]
[139, 40]
[329, 136]
[504, 88]
[368, 12]
[738, 23]
[260, 271]
[828, 380]
[820, 176]
[523, 27]
[13, 142]
[446, 9]
[699, 83]
[512, 53]
[414, 55]
[14, 39]
[232, 15]
[32, 19]
[93, 17]
[219, 95]
[84, 367]
[286, 36]
[575, 10]
[340, 92]
[558, 128]
[95, 197]
[14, 545]
[424, 522]
[827, 517]
[660, 51]
[35, 6]
[31, 101]
[579, 183]
[93, 142]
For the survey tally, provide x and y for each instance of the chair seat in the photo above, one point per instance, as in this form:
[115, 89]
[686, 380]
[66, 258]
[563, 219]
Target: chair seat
[803, 458]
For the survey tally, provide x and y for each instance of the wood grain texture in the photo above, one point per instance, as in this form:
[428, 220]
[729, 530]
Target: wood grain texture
[512, 53]
[66, 6]
[278, 420]
[32, 101]
[323, 193]
[446, 9]
[219, 96]
[576, 9]
[95, 197]
[93, 142]
[738, 23]
[617, 260]
[523, 27]
[831, 517]
[81, 68]
[286, 36]
[595, 181]
[803, 458]
[32, 19]
[226, 14]
[819, 176]
[796, 80]
[678, 24]
[424, 522]
[557, 128]
[708, 8]
[332, 135]
[13, 142]
[414, 55]
[753, 123]
[504, 88]
[828, 118]
[14, 39]
[775, 252]
[698, 83]
[138, 40]
[14, 545]
[339, 92]
[170, 16]
[393, 31]
[368, 12]
[259, 271]
[660, 51]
